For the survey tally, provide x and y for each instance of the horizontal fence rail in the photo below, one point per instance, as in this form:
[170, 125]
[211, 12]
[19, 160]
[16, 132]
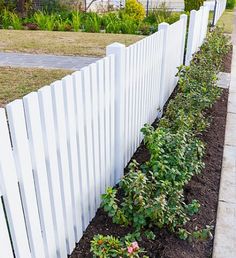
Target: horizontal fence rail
[62, 146]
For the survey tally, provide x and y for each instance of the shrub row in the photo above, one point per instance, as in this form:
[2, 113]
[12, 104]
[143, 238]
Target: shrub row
[153, 192]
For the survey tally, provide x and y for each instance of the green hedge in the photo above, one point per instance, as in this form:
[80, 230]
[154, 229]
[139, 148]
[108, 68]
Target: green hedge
[230, 4]
[192, 4]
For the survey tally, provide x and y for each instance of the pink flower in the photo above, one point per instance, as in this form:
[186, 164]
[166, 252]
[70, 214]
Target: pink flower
[130, 250]
[135, 246]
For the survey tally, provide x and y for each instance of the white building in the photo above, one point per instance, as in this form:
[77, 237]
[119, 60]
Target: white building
[177, 5]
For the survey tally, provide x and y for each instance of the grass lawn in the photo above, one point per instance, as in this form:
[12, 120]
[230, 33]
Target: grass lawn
[17, 82]
[61, 43]
[227, 20]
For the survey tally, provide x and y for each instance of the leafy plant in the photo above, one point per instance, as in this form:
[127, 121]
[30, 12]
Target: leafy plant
[154, 196]
[61, 25]
[92, 22]
[75, 20]
[112, 23]
[45, 21]
[15, 21]
[134, 10]
[6, 19]
[128, 25]
[110, 246]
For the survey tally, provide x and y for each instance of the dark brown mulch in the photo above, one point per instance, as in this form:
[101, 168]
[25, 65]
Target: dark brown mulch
[227, 61]
[203, 187]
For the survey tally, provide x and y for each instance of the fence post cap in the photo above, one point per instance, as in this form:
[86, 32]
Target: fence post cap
[183, 16]
[193, 12]
[115, 48]
[163, 26]
[116, 45]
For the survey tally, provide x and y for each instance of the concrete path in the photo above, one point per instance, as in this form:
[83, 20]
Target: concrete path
[45, 61]
[225, 234]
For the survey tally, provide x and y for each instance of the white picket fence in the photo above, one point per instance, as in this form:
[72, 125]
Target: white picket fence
[210, 4]
[219, 10]
[198, 25]
[63, 145]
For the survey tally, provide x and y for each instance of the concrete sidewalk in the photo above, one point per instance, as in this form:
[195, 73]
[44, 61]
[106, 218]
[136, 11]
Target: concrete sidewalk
[45, 61]
[225, 234]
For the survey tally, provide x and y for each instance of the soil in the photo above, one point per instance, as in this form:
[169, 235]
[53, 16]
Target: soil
[227, 61]
[203, 187]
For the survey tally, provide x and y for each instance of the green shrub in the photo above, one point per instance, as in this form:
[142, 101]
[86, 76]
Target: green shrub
[145, 28]
[111, 22]
[11, 19]
[15, 21]
[91, 22]
[128, 25]
[5, 19]
[162, 14]
[154, 196]
[61, 24]
[45, 21]
[110, 246]
[75, 20]
[193, 4]
[135, 10]
[230, 4]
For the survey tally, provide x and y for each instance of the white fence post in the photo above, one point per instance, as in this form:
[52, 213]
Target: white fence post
[119, 51]
[163, 26]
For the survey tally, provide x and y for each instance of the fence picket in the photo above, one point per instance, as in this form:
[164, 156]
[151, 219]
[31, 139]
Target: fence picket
[68, 92]
[94, 95]
[5, 241]
[10, 191]
[86, 83]
[21, 151]
[34, 130]
[107, 122]
[101, 85]
[198, 25]
[112, 117]
[49, 141]
[80, 132]
[62, 152]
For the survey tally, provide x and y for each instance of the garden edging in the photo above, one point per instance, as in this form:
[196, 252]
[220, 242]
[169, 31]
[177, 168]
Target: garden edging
[225, 233]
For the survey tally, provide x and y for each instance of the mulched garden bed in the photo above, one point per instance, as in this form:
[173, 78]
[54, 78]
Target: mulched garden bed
[203, 187]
